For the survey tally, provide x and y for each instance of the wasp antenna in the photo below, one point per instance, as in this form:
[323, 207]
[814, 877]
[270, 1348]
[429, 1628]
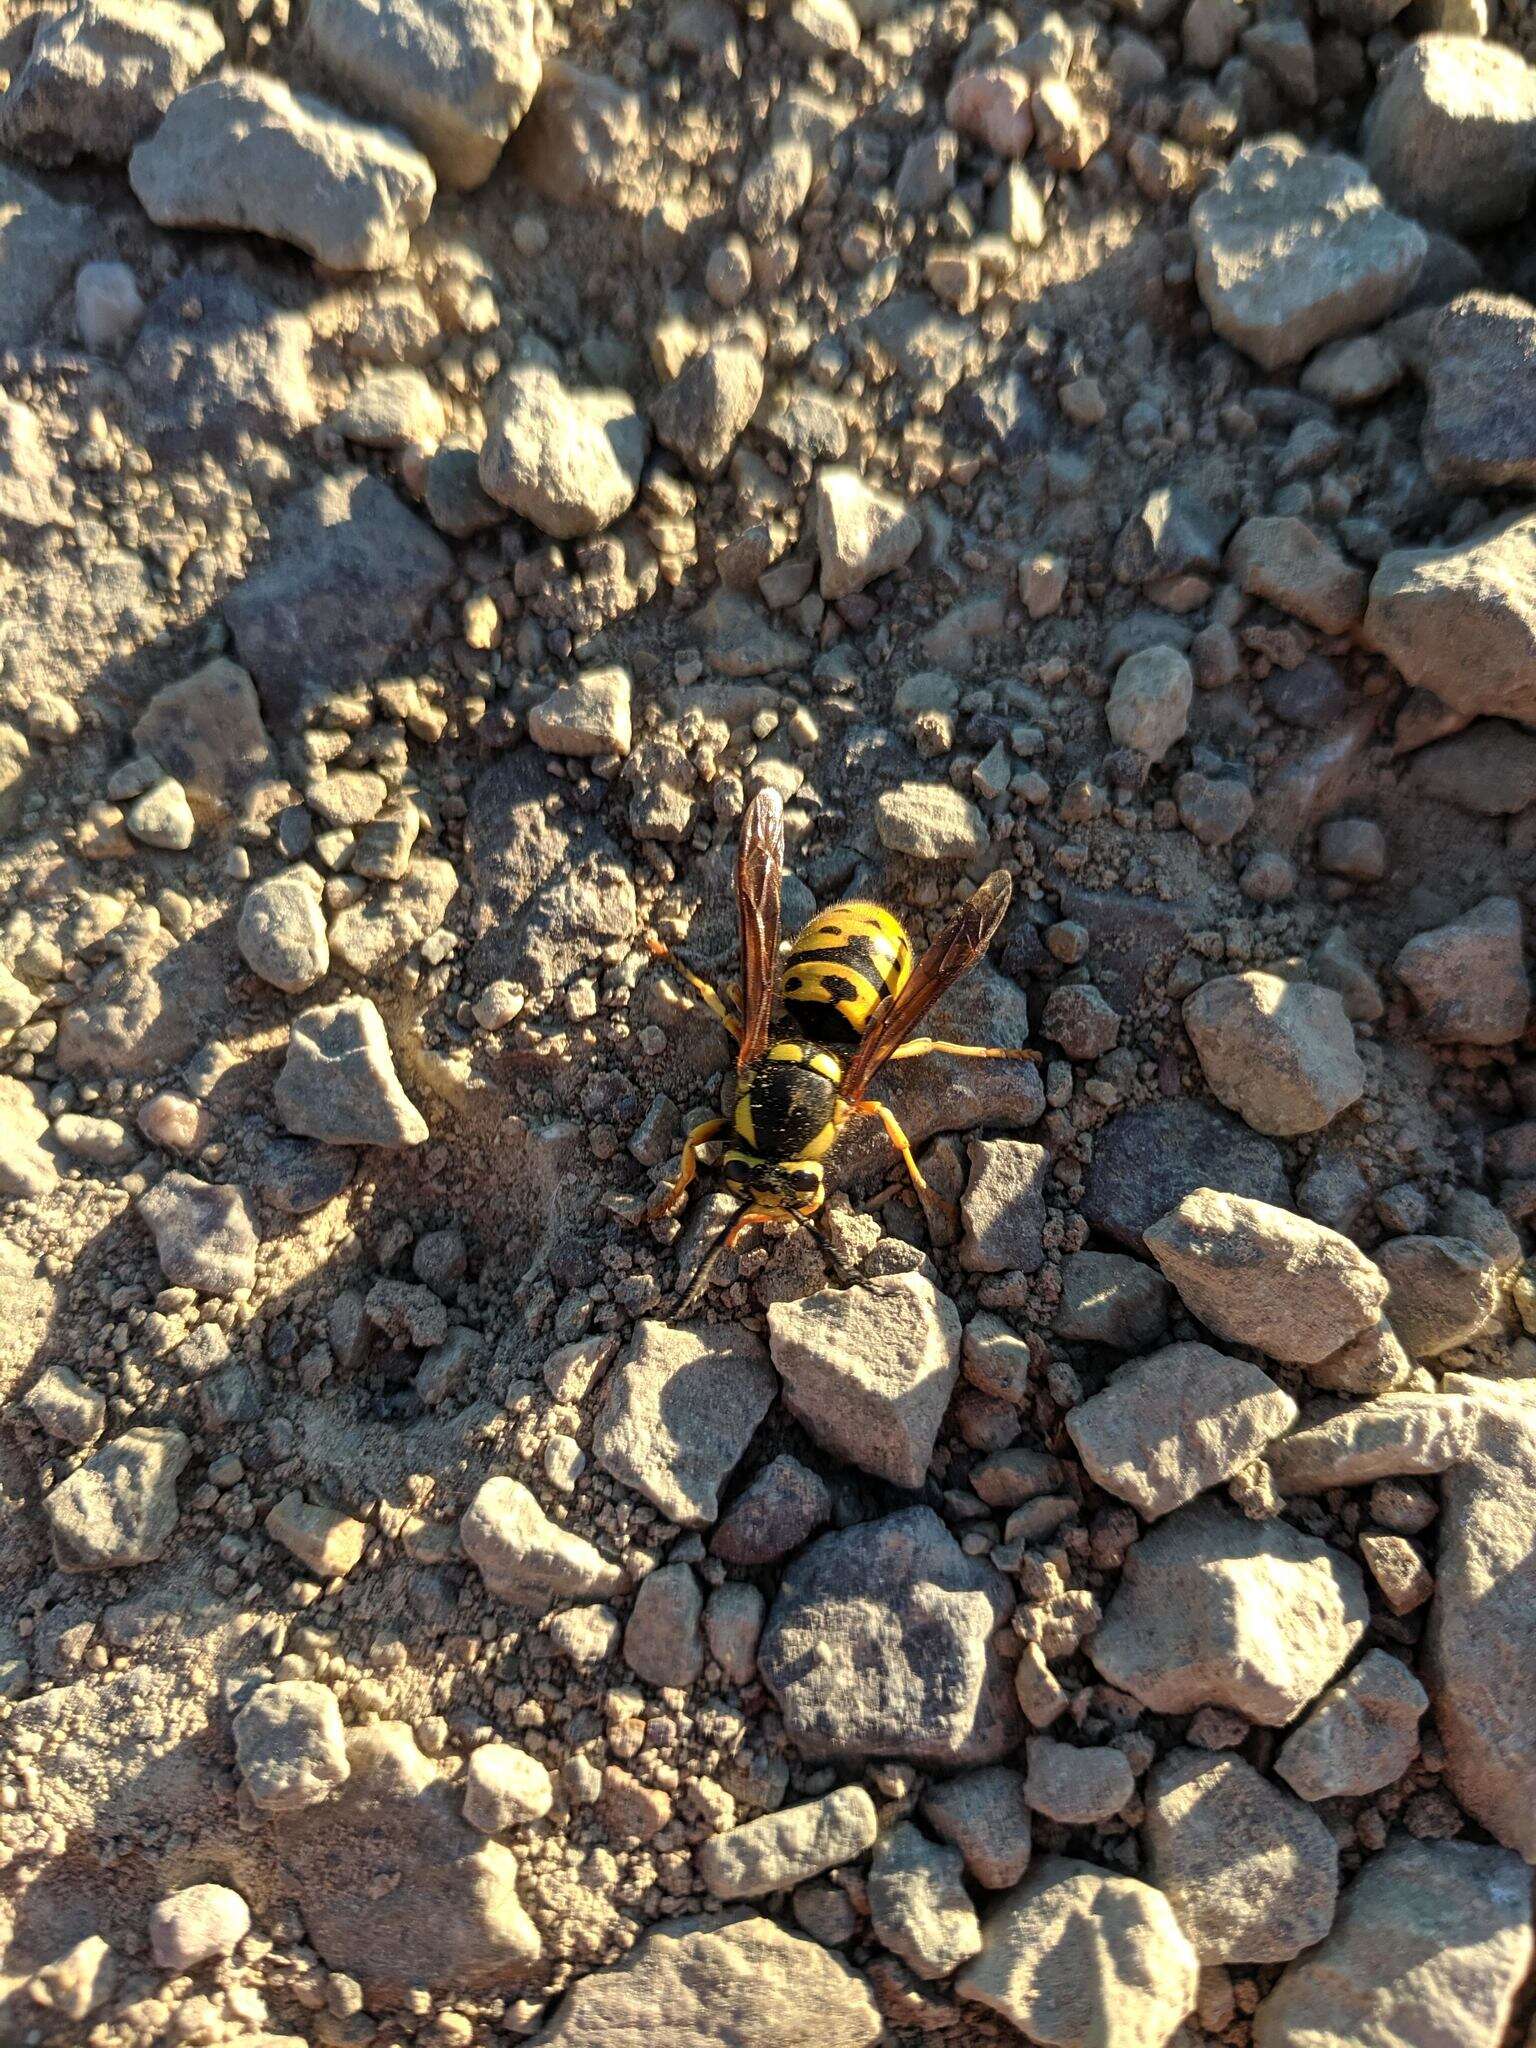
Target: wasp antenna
[842, 1272]
[699, 1285]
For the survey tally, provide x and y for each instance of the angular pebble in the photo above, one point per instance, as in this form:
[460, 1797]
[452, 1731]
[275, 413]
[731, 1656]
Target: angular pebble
[1362, 1734]
[1460, 621]
[338, 1081]
[1280, 1053]
[567, 461]
[201, 1924]
[1145, 1161]
[525, 1558]
[119, 1508]
[918, 1905]
[1468, 978]
[785, 1848]
[678, 1413]
[861, 532]
[986, 1815]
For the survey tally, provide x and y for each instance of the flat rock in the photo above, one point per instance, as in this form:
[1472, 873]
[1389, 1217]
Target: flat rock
[99, 76]
[986, 1815]
[1170, 1425]
[377, 933]
[1145, 1161]
[1107, 1298]
[119, 1508]
[1450, 135]
[781, 1849]
[918, 1905]
[1251, 1872]
[527, 1559]
[1431, 1944]
[734, 1982]
[42, 244]
[1399, 1436]
[1215, 1610]
[1480, 374]
[1295, 247]
[290, 1745]
[1489, 770]
[338, 1081]
[1446, 1291]
[930, 821]
[880, 1643]
[678, 1413]
[1299, 570]
[457, 75]
[1362, 1734]
[869, 1370]
[1460, 621]
[1079, 1957]
[1077, 1787]
[861, 532]
[589, 715]
[1468, 978]
[243, 151]
[1258, 1275]
[567, 461]
[1280, 1053]
[1002, 1211]
[203, 1234]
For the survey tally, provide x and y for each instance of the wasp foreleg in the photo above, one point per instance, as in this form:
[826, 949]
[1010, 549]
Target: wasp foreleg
[671, 1198]
[916, 1047]
[706, 992]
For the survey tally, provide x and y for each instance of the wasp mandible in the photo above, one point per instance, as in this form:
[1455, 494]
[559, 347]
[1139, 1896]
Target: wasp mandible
[852, 1000]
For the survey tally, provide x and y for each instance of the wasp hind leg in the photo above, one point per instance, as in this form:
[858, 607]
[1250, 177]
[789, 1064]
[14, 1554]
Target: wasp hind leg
[916, 1047]
[671, 1198]
[706, 992]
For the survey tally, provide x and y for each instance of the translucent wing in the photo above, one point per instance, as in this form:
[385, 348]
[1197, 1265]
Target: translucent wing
[759, 872]
[962, 942]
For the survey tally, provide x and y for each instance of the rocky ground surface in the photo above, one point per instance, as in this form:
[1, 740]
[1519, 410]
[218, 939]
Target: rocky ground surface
[450, 457]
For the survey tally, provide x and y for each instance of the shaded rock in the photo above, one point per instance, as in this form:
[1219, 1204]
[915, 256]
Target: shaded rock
[1362, 1734]
[785, 1848]
[351, 575]
[203, 1234]
[1149, 704]
[1281, 1053]
[243, 151]
[1294, 247]
[338, 1081]
[702, 413]
[1445, 1292]
[743, 1982]
[1172, 533]
[207, 731]
[1109, 1299]
[1145, 1161]
[869, 1370]
[525, 1558]
[1450, 134]
[785, 1504]
[861, 532]
[590, 715]
[679, 1412]
[1460, 621]
[1216, 1610]
[1468, 977]
[42, 244]
[457, 75]
[918, 1905]
[567, 461]
[1258, 1275]
[986, 1815]
[880, 1643]
[119, 1508]
[1488, 770]
[1168, 1426]
[1480, 372]
[1298, 570]
[99, 76]
[1082, 1958]
[664, 1642]
[1077, 1786]
[1431, 1944]
[290, 1745]
[1003, 1208]
[1251, 1872]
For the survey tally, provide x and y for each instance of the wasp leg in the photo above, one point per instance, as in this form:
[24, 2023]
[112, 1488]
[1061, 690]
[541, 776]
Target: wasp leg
[898, 1138]
[664, 1204]
[842, 1272]
[711, 998]
[916, 1047]
[745, 1221]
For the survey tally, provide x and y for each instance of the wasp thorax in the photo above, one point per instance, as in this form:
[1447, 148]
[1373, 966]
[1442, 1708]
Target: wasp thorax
[786, 1104]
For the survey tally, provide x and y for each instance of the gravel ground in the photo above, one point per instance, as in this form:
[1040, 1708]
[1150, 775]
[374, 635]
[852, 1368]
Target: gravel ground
[451, 457]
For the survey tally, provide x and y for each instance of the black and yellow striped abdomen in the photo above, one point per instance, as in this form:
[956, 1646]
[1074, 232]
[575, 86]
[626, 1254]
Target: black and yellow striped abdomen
[841, 968]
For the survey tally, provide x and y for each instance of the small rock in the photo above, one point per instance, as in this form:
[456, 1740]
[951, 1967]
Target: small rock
[986, 1815]
[991, 105]
[733, 1625]
[1258, 1275]
[861, 533]
[1280, 1053]
[1209, 1817]
[34, 487]
[203, 1234]
[391, 408]
[74, 1984]
[1362, 1734]
[338, 1082]
[1398, 1570]
[1077, 1787]
[42, 243]
[99, 76]
[1149, 703]
[703, 412]
[1168, 1426]
[1080, 1021]
[1298, 570]
[567, 461]
[1468, 977]
[664, 1643]
[585, 717]
[1480, 373]
[918, 1905]
[281, 933]
[207, 731]
[1147, 1160]
[930, 821]
[678, 1413]
[1003, 1208]
[1109, 1299]
[66, 1407]
[1460, 621]
[526, 1559]
[202, 1924]
[119, 1508]
[1450, 134]
[785, 1848]
[162, 817]
[504, 1787]
[782, 1508]
[1489, 770]
[1445, 1292]
[327, 1542]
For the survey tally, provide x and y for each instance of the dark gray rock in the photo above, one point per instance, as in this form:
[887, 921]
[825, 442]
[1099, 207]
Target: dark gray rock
[1147, 1160]
[1480, 429]
[215, 361]
[784, 1505]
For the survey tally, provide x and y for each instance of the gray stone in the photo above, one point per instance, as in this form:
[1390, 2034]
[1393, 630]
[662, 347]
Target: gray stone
[567, 461]
[733, 1626]
[1280, 1053]
[1251, 1872]
[65, 1406]
[206, 730]
[1468, 977]
[1147, 1160]
[880, 1642]
[702, 413]
[281, 933]
[525, 1558]
[504, 1787]
[391, 408]
[678, 1413]
[119, 1508]
[244, 152]
[930, 821]
[918, 1905]
[784, 1505]
[1460, 621]
[378, 932]
[1480, 373]
[587, 716]
[1083, 1958]
[1258, 1275]
[98, 78]
[862, 533]
[1489, 770]
[664, 1642]
[1362, 1734]
[986, 1815]
[1445, 1292]
[1168, 1426]
[1295, 247]
[42, 244]
[338, 1081]
[1299, 570]
[1107, 1298]
[581, 138]
[203, 1234]
[457, 75]
[1450, 134]
[1080, 1021]
[1172, 533]
[869, 1370]
[1003, 1209]
[739, 1982]
[1149, 702]
[1216, 1610]
[1431, 1945]
[1400, 1435]
[1077, 1787]
[108, 305]
[202, 1923]
[785, 1848]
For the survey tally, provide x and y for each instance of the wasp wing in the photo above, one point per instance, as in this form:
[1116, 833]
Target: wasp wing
[759, 874]
[962, 942]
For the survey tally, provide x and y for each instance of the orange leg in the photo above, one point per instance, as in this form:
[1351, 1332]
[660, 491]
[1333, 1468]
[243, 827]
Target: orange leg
[902, 1143]
[711, 998]
[916, 1047]
[671, 1198]
[747, 1218]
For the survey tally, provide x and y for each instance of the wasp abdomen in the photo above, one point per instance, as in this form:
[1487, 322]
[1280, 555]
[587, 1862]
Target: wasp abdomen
[841, 968]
